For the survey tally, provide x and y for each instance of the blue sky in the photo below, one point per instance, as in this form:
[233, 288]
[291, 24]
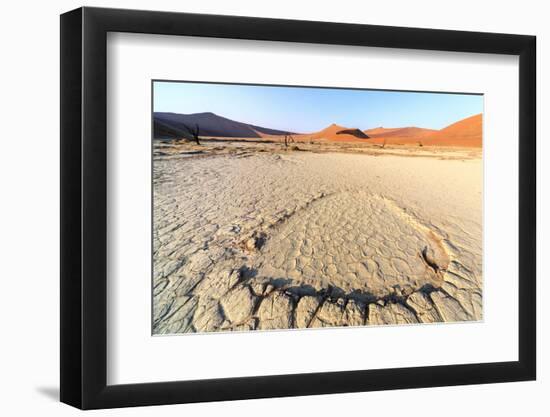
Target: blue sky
[303, 110]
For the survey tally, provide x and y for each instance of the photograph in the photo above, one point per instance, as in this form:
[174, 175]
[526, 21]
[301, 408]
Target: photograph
[296, 207]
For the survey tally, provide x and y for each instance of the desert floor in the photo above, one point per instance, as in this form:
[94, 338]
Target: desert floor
[254, 235]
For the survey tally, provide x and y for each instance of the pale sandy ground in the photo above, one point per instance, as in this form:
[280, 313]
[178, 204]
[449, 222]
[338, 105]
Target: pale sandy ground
[250, 236]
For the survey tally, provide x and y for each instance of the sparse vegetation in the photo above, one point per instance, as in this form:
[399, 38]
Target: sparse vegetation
[288, 139]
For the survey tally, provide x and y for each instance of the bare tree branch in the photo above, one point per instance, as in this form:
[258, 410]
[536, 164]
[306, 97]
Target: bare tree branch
[288, 139]
[194, 132]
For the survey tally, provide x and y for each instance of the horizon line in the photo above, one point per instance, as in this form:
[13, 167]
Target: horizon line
[326, 126]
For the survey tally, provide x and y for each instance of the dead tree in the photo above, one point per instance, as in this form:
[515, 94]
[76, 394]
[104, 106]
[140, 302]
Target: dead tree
[288, 139]
[194, 133]
[384, 144]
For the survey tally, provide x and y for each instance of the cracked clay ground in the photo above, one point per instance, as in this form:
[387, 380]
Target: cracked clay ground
[256, 239]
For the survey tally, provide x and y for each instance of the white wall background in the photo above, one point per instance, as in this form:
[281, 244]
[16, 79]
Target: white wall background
[29, 220]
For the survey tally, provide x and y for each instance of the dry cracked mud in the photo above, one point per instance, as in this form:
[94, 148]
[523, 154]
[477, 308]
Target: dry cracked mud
[256, 239]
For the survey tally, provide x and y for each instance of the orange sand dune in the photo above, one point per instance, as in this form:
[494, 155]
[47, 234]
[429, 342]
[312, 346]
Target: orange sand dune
[464, 133]
[401, 132]
[398, 136]
[331, 133]
[380, 130]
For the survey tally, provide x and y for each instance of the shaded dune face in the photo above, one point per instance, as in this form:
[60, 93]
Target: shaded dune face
[353, 132]
[335, 133]
[210, 124]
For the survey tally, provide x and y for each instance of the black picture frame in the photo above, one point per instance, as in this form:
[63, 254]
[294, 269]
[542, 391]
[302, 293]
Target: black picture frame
[84, 207]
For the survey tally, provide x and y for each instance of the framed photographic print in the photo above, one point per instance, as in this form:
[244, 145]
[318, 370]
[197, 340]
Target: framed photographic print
[257, 207]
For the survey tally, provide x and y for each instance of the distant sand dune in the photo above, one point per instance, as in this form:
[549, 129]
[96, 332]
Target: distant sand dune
[335, 133]
[402, 132]
[464, 133]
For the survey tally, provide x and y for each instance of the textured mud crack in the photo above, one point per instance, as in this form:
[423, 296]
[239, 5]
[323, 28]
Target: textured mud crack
[355, 241]
[277, 242]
